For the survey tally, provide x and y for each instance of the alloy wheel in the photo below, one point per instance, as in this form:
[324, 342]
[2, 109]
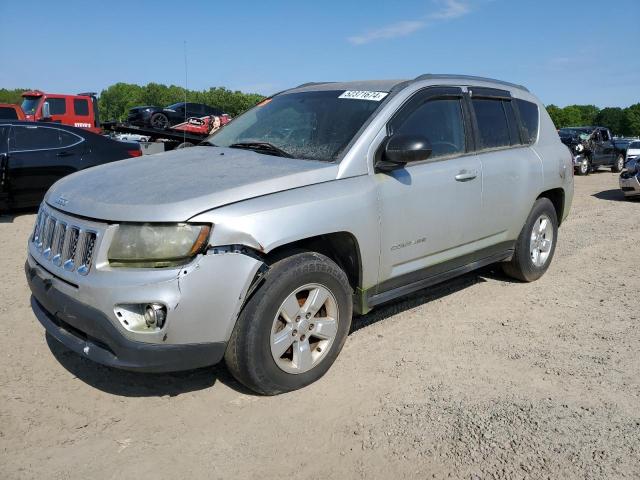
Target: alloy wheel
[541, 240]
[304, 328]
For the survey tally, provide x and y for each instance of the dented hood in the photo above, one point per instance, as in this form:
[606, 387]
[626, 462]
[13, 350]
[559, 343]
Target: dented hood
[175, 186]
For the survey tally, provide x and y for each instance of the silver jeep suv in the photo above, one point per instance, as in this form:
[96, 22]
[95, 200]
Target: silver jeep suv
[322, 201]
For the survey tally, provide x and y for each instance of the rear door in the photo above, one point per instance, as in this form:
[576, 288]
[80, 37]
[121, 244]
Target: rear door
[509, 166]
[40, 155]
[429, 209]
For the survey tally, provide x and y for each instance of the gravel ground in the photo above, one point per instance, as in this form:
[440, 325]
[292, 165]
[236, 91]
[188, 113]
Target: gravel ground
[479, 378]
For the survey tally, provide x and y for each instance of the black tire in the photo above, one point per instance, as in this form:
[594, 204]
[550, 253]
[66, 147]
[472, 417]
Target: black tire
[185, 145]
[248, 355]
[521, 266]
[159, 121]
[585, 167]
[618, 165]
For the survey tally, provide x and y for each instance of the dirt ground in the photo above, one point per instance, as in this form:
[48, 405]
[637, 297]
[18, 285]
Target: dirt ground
[478, 378]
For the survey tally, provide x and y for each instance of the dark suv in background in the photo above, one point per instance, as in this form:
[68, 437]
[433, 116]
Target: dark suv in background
[163, 118]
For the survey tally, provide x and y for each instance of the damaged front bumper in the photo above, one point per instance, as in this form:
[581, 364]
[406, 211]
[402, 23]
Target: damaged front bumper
[93, 314]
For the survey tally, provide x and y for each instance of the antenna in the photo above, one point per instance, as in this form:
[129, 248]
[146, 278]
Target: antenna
[186, 78]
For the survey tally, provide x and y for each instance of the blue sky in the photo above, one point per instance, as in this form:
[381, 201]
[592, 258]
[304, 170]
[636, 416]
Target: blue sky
[564, 51]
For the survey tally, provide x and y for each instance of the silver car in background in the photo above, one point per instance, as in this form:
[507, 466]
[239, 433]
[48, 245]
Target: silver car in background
[630, 177]
[322, 201]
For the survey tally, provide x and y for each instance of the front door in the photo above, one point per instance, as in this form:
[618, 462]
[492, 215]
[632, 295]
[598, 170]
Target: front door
[430, 209]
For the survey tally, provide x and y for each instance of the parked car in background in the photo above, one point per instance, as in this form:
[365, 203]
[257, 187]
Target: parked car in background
[633, 151]
[33, 156]
[592, 148]
[259, 244]
[163, 118]
[8, 111]
[630, 177]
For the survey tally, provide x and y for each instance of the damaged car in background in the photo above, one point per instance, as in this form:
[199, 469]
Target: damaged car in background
[592, 148]
[258, 245]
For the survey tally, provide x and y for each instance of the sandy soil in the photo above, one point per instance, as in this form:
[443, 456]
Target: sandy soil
[479, 378]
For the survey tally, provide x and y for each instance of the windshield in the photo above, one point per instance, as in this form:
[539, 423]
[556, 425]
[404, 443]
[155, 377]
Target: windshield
[314, 125]
[30, 104]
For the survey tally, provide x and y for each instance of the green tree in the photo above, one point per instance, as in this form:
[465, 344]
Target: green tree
[12, 95]
[632, 120]
[613, 118]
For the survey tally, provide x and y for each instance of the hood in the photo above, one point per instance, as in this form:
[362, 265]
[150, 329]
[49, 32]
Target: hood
[174, 186]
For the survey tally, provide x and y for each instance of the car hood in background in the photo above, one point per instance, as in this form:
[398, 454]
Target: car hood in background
[175, 186]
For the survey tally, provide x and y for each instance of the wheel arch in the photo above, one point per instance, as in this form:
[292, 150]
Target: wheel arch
[341, 247]
[556, 196]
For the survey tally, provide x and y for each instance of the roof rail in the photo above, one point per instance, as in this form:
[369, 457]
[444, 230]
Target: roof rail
[308, 84]
[433, 76]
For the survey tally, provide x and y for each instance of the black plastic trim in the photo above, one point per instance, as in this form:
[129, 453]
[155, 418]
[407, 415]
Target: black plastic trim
[426, 277]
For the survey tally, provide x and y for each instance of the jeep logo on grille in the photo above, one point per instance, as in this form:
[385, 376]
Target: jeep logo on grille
[62, 201]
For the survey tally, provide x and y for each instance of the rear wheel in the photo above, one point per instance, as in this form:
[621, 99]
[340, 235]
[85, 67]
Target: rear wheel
[159, 121]
[618, 165]
[536, 243]
[291, 330]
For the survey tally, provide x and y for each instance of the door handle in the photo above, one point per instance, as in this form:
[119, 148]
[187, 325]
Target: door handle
[465, 176]
[63, 154]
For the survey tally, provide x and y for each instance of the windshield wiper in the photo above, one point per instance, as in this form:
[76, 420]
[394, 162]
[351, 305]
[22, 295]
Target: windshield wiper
[262, 147]
[207, 143]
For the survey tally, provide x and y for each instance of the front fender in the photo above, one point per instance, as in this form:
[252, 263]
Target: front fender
[271, 221]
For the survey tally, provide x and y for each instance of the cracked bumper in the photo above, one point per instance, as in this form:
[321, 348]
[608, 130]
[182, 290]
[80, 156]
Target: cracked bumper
[203, 300]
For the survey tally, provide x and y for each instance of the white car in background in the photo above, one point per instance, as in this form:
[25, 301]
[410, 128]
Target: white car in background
[633, 151]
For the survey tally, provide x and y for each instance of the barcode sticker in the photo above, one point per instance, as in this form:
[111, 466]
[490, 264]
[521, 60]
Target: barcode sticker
[363, 95]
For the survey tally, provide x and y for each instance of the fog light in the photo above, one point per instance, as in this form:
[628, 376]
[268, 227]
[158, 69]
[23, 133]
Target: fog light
[155, 315]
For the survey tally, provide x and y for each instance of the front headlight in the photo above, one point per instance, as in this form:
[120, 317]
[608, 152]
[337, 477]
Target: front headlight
[157, 245]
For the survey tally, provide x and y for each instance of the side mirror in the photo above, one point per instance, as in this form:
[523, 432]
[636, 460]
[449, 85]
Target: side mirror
[401, 149]
[46, 112]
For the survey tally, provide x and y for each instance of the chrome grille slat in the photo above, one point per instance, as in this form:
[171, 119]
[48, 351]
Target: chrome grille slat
[64, 242]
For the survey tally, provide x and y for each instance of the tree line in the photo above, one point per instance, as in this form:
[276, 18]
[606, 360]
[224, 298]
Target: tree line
[621, 121]
[116, 100]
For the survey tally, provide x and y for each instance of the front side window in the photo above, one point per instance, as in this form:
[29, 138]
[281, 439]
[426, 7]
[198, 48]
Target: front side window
[441, 122]
[492, 123]
[57, 106]
[314, 125]
[81, 106]
[605, 136]
[529, 117]
[27, 138]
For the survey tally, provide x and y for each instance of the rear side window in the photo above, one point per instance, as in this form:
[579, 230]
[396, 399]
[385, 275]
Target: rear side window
[68, 139]
[57, 106]
[8, 113]
[529, 117]
[33, 138]
[441, 122]
[492, 123]
[81, 106]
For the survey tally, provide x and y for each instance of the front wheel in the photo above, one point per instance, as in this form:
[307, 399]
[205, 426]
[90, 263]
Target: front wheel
[159, 121]
[536, 243]
[292, 329]
[618, 165]
[584, 167]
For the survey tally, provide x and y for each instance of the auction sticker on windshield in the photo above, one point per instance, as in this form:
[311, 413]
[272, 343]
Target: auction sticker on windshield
[363, 95]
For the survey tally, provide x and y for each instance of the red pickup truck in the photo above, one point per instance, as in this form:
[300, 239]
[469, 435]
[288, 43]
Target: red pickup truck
[76, 110]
